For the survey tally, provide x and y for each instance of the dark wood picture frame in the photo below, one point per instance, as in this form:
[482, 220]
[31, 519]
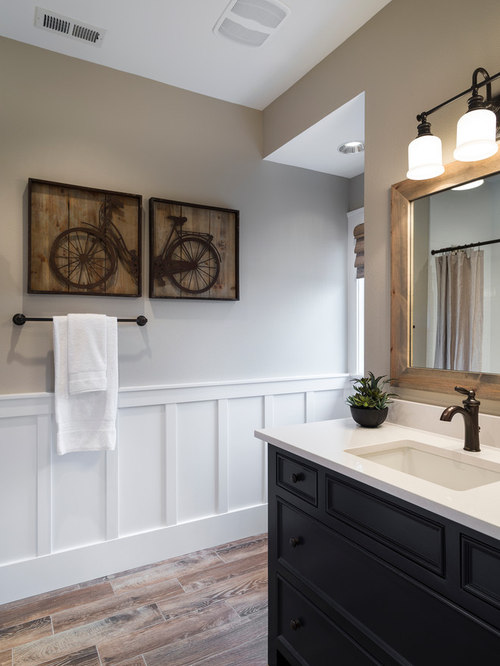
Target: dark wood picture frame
[194, 251]
[83, 241]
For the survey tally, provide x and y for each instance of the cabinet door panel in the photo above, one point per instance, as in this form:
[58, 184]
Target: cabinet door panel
[481, 570]
[403, 615]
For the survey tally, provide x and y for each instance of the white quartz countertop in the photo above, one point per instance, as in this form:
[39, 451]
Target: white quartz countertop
[327, 443]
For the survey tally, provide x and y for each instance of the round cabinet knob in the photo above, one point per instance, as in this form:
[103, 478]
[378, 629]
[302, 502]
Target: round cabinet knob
[296, 477]
[295, 541]
[295, 624]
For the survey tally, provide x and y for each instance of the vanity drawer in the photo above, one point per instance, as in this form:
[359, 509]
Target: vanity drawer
[404, 531]
[297, 478]
[311, 635]
[303, 544]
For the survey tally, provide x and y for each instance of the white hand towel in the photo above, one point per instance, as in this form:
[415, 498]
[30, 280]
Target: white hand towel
[87, 351]
[85, 421]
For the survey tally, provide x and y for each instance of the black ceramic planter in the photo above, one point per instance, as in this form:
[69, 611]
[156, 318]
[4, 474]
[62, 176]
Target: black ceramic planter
[367, 417]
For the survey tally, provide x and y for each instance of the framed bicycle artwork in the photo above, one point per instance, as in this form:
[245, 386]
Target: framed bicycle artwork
[193, 251]
[83, 240]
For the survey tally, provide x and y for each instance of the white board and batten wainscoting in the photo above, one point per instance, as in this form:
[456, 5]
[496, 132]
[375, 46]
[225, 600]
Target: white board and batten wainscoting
[187, 474]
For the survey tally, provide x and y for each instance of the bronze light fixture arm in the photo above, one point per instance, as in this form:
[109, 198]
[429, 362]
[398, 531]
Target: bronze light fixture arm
[422, 117]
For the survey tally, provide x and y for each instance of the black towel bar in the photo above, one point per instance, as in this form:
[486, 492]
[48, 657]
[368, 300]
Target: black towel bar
[19, 319]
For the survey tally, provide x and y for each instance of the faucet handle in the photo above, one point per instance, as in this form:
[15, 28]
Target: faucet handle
[470, 393]
[461, 389]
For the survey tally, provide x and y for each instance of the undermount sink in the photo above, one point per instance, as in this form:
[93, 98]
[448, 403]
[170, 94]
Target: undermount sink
[456, 470]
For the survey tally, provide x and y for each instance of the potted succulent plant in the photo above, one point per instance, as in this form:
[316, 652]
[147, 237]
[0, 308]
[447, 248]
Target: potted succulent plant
[369, 402]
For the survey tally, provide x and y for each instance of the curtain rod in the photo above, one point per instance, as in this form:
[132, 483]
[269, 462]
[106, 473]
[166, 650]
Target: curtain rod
[464, 247]
[19, 319]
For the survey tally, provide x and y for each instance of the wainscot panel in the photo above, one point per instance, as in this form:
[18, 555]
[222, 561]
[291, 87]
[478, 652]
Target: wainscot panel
[141, 469]
[18, 487]
[187, 474]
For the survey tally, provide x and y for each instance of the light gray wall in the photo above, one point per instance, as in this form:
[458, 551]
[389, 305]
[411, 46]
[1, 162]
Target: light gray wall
[69, 121]
[357, 192]
[408, 58]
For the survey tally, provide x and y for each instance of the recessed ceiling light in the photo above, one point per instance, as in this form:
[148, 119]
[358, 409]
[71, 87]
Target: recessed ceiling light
[350, 147]
[469, 186]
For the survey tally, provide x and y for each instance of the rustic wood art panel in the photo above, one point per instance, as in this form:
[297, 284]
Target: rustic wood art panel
[194, 251]
[83, 241]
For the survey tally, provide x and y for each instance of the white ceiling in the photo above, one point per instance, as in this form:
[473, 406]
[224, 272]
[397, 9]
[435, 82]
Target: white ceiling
[172, 41]
[316, 147]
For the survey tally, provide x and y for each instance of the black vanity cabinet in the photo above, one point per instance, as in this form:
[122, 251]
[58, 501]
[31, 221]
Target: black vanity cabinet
[357, 576]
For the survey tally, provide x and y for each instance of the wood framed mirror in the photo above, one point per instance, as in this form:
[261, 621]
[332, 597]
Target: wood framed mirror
[404, 372]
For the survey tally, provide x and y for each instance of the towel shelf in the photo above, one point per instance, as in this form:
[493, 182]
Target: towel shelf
[20, 319]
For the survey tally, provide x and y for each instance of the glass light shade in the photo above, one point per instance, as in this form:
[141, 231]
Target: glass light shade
[425, 158]
[469, 186]
[476, 136]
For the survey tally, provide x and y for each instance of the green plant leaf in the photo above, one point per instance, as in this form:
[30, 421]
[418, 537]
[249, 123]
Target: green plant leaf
[369, 393]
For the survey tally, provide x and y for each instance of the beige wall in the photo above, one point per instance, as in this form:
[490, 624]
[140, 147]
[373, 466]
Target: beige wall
[408, 58]
[357, 192]
[74, 122]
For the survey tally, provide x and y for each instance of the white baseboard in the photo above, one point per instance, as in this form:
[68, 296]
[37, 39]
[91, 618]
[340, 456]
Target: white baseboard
[43, 574]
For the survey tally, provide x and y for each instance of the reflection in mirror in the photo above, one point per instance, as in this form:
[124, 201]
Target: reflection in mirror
[456, 279]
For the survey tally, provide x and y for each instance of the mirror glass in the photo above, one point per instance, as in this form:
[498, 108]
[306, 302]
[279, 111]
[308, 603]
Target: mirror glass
[455, 291]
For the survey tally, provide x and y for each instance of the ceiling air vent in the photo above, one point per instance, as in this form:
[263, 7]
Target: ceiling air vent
[251, 22]
[69, 27]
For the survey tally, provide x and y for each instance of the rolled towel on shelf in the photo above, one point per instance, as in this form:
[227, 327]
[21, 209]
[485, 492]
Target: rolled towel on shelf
[86, 421]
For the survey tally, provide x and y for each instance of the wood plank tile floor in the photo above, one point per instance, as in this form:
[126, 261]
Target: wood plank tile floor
[207, 608]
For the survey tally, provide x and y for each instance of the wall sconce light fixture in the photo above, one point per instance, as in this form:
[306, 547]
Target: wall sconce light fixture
[476, 132]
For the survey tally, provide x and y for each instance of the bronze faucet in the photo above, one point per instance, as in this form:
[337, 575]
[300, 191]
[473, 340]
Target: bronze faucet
[470, 412]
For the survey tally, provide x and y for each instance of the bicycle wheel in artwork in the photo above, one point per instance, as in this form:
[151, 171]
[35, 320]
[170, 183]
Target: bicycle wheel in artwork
[193, 251]
[83, 240]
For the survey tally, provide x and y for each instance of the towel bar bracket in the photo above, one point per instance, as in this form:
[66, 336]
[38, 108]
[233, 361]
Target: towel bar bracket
[19, 319]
